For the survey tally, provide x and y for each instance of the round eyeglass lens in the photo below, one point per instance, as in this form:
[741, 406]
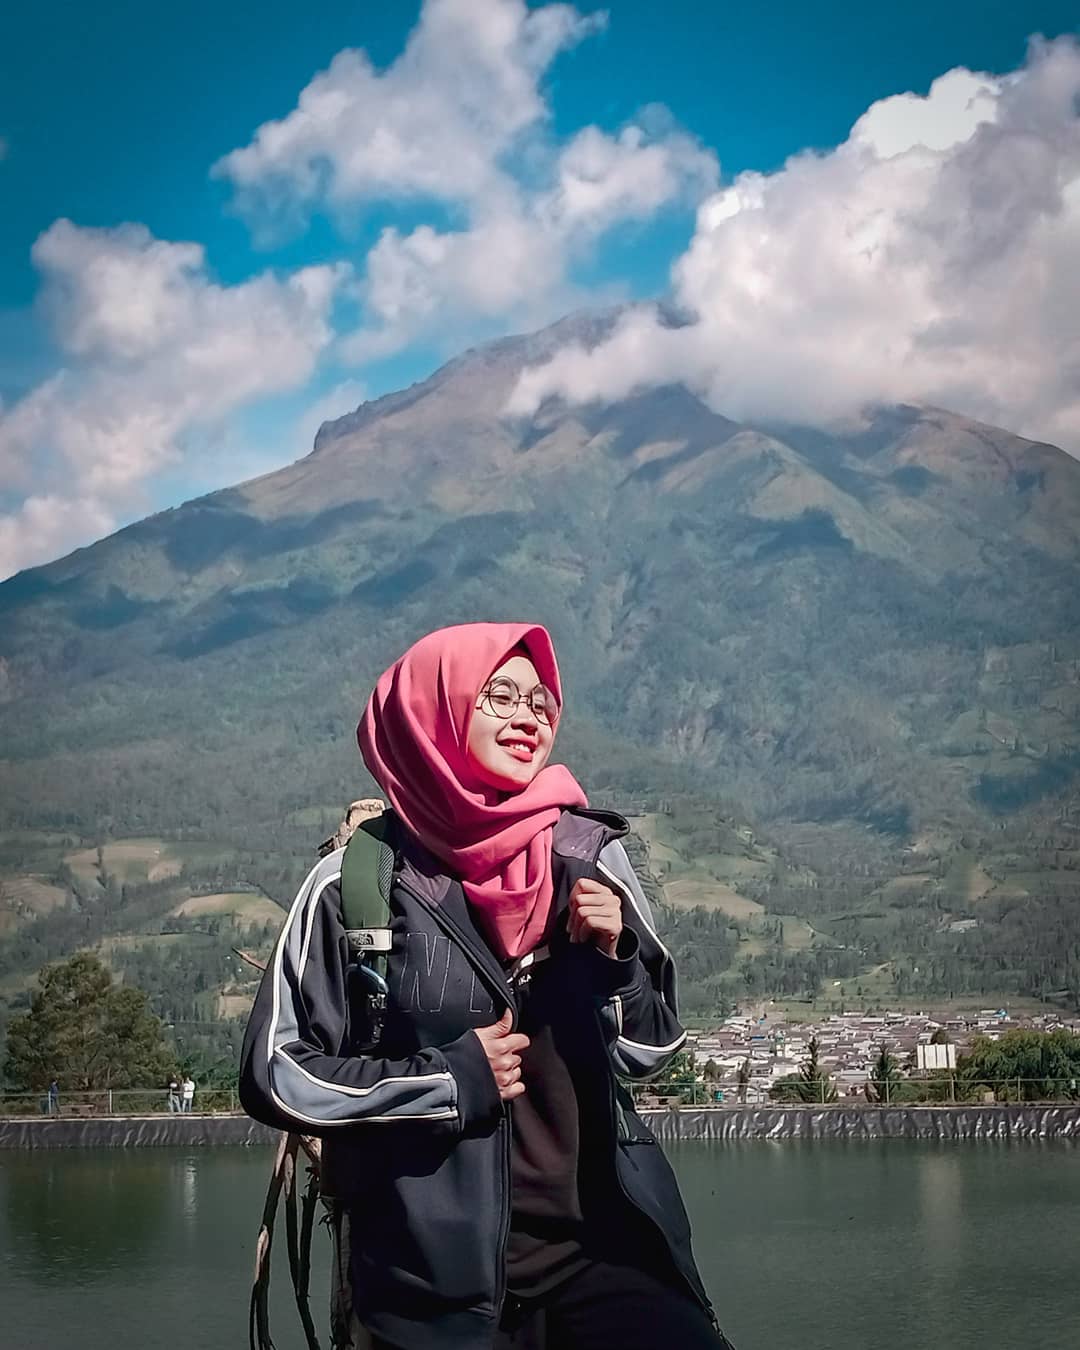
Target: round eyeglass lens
[503, 698]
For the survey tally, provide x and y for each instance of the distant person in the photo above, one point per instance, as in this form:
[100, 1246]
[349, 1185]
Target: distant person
[174, 1095]
[188, 1093]
[502, 1192]
[54, 1098]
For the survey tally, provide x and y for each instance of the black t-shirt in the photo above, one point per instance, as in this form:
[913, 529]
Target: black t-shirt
[562, 1174]
[547, 1224]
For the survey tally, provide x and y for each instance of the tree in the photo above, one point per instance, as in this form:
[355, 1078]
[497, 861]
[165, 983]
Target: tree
[811, 1084]
[86, 1032]
[681, 1076]
[885, 1077]
[744, 1079]
[1029, 1065]
[815, 1084]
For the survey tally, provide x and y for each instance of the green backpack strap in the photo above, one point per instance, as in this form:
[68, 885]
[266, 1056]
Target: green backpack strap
[367, 871]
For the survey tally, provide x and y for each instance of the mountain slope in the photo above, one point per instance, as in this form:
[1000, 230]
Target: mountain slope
[868, 642]
[773, 568]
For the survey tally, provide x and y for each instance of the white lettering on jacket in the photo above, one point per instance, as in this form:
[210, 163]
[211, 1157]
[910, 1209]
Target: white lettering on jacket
[424, 973]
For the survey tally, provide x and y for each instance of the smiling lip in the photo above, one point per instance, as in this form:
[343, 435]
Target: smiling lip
[522, 750]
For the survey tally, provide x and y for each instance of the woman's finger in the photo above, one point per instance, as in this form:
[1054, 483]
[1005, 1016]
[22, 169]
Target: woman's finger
[605, 921]
[588, 886]
[598, 911]
[598, 902]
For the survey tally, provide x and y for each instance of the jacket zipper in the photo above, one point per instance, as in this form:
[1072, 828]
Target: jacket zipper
[499, 987]
[504, 1227]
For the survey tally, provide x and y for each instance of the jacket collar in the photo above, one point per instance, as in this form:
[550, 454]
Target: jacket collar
[581, 833]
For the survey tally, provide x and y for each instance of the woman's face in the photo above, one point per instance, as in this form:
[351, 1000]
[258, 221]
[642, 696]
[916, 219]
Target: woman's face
[508, 753]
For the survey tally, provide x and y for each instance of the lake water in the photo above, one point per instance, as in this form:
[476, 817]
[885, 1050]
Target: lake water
[823, 1246]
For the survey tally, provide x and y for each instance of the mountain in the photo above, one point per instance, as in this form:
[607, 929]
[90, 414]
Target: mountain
[866, 643]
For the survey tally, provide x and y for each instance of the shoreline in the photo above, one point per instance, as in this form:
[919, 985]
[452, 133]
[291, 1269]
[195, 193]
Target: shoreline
[718, 1124]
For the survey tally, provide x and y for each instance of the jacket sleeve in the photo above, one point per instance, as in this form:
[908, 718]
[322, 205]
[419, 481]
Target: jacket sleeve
[293, 1074]
[641, 1011]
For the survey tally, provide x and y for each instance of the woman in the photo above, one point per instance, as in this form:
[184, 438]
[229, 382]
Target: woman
[494, 1185]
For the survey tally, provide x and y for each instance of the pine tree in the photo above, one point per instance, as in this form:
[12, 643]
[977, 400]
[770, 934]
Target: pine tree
[86, 1032]
[885, 1078]
[814, 1084]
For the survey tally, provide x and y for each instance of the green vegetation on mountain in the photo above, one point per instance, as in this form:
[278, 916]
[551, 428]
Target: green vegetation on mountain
[834, 678]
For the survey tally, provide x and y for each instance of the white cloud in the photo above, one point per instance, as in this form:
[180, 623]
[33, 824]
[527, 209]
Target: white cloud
[930, 258]
[157, 354]
[459, 121]
[49, 526]
[507, 267]
[157, 351]
[959, 102]
[604, 179]
[433, 124]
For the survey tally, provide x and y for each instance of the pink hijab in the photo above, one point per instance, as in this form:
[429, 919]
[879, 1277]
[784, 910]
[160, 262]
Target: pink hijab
[413, 738]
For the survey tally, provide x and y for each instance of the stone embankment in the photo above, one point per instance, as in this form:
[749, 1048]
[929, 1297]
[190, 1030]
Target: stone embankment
[723, 1124]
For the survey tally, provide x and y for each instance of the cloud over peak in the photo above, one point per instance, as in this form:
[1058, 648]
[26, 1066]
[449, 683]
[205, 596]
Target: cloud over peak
[929, 258]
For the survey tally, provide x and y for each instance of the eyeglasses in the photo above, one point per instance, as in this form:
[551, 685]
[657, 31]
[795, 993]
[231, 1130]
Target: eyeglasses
[502, 698]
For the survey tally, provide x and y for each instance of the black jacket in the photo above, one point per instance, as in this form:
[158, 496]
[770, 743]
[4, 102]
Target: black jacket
[416, 1137]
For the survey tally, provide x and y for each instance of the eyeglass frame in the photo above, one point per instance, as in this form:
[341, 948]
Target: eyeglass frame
[484, 697]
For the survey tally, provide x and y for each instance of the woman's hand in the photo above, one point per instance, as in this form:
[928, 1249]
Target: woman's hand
[595, 915]
[503, 1048]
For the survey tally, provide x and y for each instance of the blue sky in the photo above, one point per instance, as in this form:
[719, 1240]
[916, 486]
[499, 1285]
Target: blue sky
[116, 116]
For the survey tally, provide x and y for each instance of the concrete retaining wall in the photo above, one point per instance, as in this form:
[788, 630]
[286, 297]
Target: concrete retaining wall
[724, 1124]
[173, 1131]
[867, 1122]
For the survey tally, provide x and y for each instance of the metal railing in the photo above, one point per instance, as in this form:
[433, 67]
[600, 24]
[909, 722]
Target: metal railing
[941, 1089]
[119, 1102]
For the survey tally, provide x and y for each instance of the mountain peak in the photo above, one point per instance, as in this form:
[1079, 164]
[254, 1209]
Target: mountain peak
[499, 361]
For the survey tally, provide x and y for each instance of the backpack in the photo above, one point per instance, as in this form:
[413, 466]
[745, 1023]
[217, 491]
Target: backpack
[367, 870]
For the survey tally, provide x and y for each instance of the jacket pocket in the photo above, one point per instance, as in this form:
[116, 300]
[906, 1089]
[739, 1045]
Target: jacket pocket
[424, 1228]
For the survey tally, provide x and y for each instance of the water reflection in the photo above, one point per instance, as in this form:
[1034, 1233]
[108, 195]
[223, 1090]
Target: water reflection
[79, 1223]
[189, 1177]
[826, 1246]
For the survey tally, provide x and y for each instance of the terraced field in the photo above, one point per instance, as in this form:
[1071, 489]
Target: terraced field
[246, 908]
[25, 897]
